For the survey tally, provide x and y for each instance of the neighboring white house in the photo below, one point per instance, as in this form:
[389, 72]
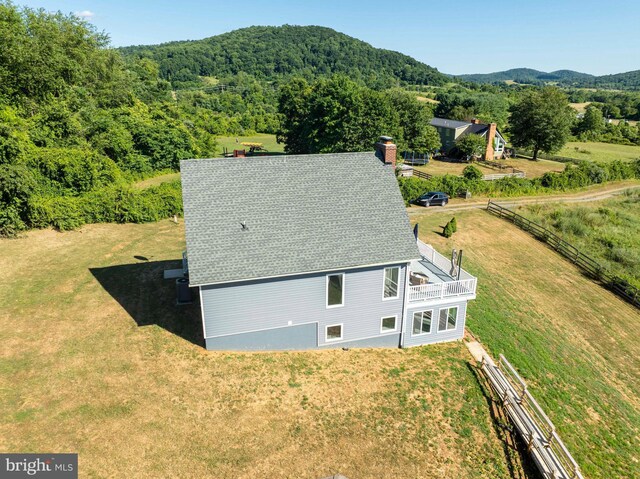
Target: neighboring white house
[314, 251]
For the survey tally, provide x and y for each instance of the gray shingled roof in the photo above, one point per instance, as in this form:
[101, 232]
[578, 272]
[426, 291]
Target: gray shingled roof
[446, 123]
[303, 213]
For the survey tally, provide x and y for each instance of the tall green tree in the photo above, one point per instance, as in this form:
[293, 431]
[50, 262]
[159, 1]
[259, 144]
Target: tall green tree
[591, 125]
[472, 146]
[541, 120]
[337, 114]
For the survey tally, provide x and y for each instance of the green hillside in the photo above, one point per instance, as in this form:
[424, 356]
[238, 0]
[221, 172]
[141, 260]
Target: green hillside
[274, 52]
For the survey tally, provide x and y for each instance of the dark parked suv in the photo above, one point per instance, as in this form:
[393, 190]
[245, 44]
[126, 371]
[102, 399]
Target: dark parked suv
[432, 198]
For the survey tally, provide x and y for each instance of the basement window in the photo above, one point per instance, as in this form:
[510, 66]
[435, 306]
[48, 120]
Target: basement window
[334, 332]
[448, 319]
[388, 324]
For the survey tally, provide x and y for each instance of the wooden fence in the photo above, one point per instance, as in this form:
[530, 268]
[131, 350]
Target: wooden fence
[590, 266]
[538, 432]
[422, 175]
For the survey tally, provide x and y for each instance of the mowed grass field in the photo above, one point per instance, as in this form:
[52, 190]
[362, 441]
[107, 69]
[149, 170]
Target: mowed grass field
[607, 231]
[97, 359]
[229, 142]
[576, 344]
[596, 151]
[532, 169]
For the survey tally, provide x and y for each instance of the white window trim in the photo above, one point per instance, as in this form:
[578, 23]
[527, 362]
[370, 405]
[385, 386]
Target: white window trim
[326, 293]
[395, 324]
[430, 329]
[447, 323]
[326, 337]
[384, 279]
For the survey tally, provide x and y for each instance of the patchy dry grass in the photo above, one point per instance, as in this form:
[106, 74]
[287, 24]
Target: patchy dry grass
[576, 344]
[97, 359]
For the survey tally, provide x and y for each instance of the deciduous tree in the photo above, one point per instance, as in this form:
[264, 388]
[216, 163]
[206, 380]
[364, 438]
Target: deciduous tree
[541, 120]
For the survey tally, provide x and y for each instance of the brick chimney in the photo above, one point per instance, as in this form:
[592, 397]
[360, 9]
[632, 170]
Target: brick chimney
[475, 121]
[386, 151]
[491, 135]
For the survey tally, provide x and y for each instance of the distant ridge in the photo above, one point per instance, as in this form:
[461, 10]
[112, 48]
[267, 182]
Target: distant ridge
[272, 52]
[624, 81]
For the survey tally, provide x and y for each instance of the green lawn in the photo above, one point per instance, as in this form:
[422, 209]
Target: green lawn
[607, 231]
[599, 151]
[576, 344]
[97, 359]
[230, 143]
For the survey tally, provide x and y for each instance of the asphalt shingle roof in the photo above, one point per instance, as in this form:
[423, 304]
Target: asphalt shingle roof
[304, 213]
[446, 123]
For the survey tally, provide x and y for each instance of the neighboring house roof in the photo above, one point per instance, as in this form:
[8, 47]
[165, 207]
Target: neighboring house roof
[468, 127]
[446, 123]
[303, 213]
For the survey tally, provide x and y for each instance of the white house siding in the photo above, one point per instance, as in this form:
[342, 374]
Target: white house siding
[435, 336]
[261, 305]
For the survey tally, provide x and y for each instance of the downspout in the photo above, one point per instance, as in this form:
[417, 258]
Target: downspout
[404, 304]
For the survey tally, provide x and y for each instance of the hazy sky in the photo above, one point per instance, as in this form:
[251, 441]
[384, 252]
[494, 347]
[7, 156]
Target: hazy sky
[455, 36]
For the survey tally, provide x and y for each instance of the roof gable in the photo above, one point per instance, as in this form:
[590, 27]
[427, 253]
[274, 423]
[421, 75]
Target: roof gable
[302, 214]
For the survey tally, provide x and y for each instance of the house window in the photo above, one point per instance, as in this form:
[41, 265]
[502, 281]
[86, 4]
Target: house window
[335, 290]
[391, 276]
[388, 324]
[448, 319]
[334, 332]
[422, 322]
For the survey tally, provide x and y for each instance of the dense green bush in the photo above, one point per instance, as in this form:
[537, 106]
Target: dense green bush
[112, 204]
[472, 173]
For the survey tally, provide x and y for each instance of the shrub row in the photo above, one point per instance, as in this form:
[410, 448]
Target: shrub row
[112, 204]
[583, 174]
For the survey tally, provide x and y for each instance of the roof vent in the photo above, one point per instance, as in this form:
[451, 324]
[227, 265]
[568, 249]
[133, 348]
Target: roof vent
[244, 226]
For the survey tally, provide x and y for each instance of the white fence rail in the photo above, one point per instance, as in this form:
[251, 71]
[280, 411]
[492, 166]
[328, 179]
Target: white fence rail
[426, 292]
[498, 176]
[543, 443]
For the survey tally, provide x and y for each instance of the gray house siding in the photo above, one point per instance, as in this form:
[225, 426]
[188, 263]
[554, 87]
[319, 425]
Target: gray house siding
[435, 336]
[257, 306]
[302, 336]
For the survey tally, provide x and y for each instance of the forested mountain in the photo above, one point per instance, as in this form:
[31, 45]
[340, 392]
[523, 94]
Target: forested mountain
[527, 75]
[273, 52]
[569, 78]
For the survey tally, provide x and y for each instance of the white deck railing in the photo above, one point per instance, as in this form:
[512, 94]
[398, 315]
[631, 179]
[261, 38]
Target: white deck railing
[465, 286]
[426, 292]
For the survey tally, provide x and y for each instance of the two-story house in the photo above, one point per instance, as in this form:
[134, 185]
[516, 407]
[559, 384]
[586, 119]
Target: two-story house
[314, 251]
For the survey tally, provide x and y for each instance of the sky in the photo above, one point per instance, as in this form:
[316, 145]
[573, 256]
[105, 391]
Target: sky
[456, 37]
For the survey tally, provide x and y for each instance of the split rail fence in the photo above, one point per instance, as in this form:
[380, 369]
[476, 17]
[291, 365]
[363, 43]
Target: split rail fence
[538, 432]
[590, 266]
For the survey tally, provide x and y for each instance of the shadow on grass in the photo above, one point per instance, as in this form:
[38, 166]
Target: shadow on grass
[520, 464]
[149, 299]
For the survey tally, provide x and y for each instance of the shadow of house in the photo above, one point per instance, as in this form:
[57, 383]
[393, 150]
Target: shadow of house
[149, 299]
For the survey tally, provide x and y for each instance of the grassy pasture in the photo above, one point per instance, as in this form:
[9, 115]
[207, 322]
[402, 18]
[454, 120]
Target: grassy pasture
[268, 140]
[596, 151]
[532, 169]
[608, 231]
[575, 343]
[97, 359]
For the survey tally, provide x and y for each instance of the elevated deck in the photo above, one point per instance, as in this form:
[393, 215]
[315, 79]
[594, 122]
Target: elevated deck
[434, 268]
